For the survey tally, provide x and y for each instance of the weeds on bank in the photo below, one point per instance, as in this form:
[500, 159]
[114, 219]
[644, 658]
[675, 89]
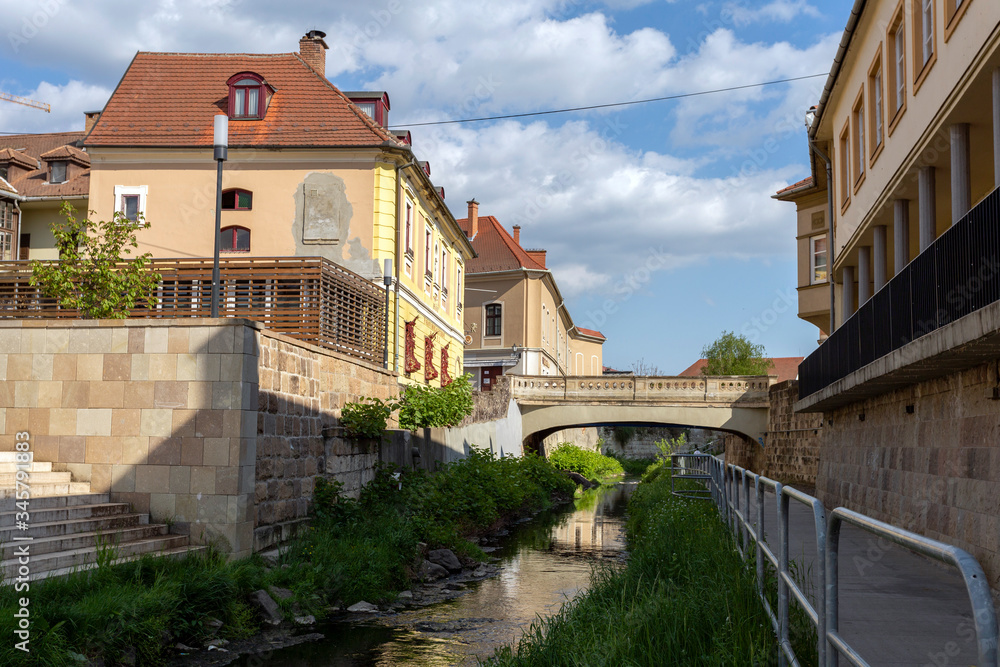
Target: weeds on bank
[591, 465]
[685, 597]
[355, 549]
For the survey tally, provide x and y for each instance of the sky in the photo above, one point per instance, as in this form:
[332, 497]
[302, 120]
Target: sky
[657, 217]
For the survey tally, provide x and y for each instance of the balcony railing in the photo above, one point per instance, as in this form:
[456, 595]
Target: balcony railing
[308, 298]
[957, 275]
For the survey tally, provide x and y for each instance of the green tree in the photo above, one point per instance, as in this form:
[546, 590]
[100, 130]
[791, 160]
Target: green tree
[93, 275]
[733, 354]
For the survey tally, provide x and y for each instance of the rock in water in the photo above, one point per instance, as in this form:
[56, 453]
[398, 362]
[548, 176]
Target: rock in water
[431, 571]
[268, 608]
[363, 608]
[445, 558]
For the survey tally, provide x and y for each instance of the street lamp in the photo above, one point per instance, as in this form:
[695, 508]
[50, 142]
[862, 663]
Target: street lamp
[387, 281]
[221, 154]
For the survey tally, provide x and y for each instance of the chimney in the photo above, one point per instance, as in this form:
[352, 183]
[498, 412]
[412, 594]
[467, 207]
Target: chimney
[537, 255]
[473, 218]
[517, 234]
[90, 120]
[312, 49]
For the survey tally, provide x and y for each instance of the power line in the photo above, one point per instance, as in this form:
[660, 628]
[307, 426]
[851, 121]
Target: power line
[612, 104]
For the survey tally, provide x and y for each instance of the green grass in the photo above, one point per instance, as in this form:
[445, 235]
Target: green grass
[591, 465]
[684, 598]
[355, 549]
[633, 467]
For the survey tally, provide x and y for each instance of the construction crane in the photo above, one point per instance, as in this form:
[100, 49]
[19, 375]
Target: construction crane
[26, 102]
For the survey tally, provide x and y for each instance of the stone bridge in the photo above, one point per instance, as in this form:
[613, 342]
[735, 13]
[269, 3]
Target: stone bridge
[549, 403]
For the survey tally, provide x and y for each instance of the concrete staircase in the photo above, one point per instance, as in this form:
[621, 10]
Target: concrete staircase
[68, 525]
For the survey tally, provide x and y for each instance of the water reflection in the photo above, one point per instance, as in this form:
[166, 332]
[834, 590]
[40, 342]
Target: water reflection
[544, 562]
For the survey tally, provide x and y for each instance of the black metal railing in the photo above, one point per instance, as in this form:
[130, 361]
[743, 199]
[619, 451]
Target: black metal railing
[957, 275]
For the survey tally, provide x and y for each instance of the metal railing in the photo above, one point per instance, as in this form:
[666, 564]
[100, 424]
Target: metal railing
[729, 487]
[958, 274]
[308, 298]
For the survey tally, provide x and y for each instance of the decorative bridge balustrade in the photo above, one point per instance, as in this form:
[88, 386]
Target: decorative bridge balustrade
[640, 389]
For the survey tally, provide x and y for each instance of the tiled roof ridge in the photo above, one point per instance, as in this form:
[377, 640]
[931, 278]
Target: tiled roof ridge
[591, 332]
[67, 151]
[7, 137]
[515, 247]
[18, 156]
[6, 186]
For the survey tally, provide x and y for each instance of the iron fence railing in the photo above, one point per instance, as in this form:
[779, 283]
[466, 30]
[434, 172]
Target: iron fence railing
[308, 298]
[957, 275]
[730, 488]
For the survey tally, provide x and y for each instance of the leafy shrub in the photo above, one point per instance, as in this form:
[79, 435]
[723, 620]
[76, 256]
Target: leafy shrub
[634, 467]
[368, 417]
[591, 465]
[432, 407]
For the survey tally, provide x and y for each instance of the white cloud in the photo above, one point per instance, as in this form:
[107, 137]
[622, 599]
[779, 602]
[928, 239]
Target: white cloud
[779, 11]
[68, 103]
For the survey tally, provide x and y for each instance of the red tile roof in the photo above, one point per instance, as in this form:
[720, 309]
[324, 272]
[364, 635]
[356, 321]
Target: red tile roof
[170, 99]
[28, 149]
[7, 187]
[786, 368]
[591, 332]
[496, 249]
[804, 184]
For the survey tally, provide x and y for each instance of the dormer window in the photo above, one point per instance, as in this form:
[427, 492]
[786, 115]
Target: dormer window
[375, 104]
[58, 172]
[248, 96]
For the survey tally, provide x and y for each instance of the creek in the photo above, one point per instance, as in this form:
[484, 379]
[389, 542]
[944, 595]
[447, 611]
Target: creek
[543, 562]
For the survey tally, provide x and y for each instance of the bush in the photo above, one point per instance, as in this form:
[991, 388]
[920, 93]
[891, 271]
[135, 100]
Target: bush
[422, 406]
[368, 417]
[591, 465]
[633, 467]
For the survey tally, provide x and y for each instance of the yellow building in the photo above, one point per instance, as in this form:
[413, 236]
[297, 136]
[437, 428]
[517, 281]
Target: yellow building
[310, 172]
[515, 318]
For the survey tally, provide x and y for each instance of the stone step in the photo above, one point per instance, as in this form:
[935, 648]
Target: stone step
[75, 558]
[43, 545]
[37, 490]
[175, 552]
[64, 513]
[107, 524]
[46, 502]
[33, 467]
[9, 457]
[7, 479]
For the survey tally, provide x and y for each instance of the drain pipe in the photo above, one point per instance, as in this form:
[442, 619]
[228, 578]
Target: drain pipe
[400, 196]
[829, 233]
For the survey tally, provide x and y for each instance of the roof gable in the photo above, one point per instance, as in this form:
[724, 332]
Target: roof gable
[496, 249]
[29, 149]
[171, 99]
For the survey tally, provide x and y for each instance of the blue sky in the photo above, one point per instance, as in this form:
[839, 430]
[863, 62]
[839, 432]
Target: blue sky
[657, 217]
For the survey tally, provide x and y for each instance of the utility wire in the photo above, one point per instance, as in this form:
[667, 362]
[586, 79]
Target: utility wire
[612, 104]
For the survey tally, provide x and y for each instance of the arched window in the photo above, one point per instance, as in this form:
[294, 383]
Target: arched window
[237, 200]
[247, 96]
[234, 239]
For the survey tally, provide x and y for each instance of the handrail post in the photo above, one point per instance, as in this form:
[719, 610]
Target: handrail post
[782, 507]
[832, 586]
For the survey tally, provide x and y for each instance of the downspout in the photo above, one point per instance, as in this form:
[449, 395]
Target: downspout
[17, 236]
[400, 195]
[829, 233]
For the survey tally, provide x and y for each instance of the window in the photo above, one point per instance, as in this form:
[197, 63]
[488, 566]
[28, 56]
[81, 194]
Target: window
[493, 319]
[130, 200]
[923, 40]
[954, 11]
[437, 265]
[458, 291]
[247, 96]
[444, 269]
[897, 68]
[845, 165]
[876, 112]
[3, 172]
[408, 232]
[428, 257]
[234, 239]
[237, 200]
[858, 154]
[817, 260]
[58, 172]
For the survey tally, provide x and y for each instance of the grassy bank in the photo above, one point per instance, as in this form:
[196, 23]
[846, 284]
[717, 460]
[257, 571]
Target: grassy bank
[684, 598]
[592, 465]
[355, 549]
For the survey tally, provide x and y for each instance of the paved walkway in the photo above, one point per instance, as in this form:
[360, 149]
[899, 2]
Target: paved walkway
[896, 608]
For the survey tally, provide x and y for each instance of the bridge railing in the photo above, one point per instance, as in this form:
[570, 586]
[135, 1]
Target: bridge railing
[710, 389]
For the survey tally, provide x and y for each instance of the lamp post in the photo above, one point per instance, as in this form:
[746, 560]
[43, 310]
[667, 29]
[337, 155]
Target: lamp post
[221, 154]
[387, 281]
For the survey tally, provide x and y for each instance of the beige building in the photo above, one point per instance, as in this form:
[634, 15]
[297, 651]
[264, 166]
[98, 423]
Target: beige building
[515, 318]
[311, 171]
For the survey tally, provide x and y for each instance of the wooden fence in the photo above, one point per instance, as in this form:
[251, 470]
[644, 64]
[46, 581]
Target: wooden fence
[308, 298]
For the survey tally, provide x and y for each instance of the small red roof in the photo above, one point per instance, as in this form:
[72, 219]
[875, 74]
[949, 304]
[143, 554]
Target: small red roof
[786, 368]
[29, 149]
[496, 249]
[67, 152]
[591, 332]
[171, 99]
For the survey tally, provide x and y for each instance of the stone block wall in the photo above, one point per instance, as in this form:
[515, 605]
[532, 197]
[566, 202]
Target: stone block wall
[924, 458]
[302, 389]
[791, 453]
[161, 414]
